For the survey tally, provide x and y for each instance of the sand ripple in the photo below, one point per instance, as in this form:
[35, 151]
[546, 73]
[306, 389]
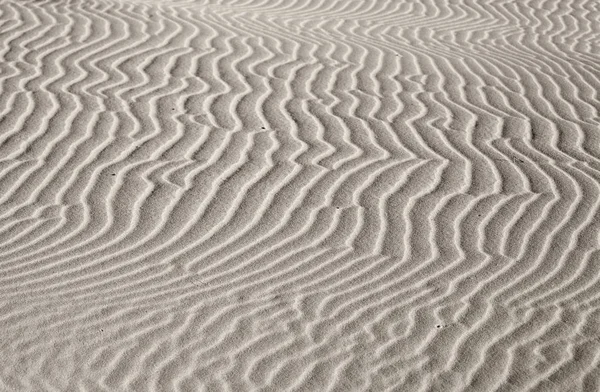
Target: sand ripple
[299, 195]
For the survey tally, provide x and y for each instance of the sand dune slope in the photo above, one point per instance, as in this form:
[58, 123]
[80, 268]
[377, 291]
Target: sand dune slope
[299, 195]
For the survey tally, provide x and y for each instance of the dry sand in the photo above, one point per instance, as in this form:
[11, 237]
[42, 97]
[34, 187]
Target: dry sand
[300, 195]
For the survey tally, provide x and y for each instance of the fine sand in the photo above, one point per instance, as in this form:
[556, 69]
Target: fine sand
[299, 195]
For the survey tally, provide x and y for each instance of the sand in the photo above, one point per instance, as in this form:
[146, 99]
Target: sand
[299, 195]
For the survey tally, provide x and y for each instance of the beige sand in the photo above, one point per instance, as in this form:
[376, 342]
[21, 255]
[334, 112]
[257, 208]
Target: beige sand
[299, 195]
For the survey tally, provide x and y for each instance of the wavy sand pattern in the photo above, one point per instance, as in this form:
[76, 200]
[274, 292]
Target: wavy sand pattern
[300, 195]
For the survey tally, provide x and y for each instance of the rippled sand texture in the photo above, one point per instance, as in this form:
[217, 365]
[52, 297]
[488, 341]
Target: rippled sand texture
[300, 195]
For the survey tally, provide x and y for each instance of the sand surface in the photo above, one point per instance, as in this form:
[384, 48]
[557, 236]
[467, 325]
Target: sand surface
[299, 195]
